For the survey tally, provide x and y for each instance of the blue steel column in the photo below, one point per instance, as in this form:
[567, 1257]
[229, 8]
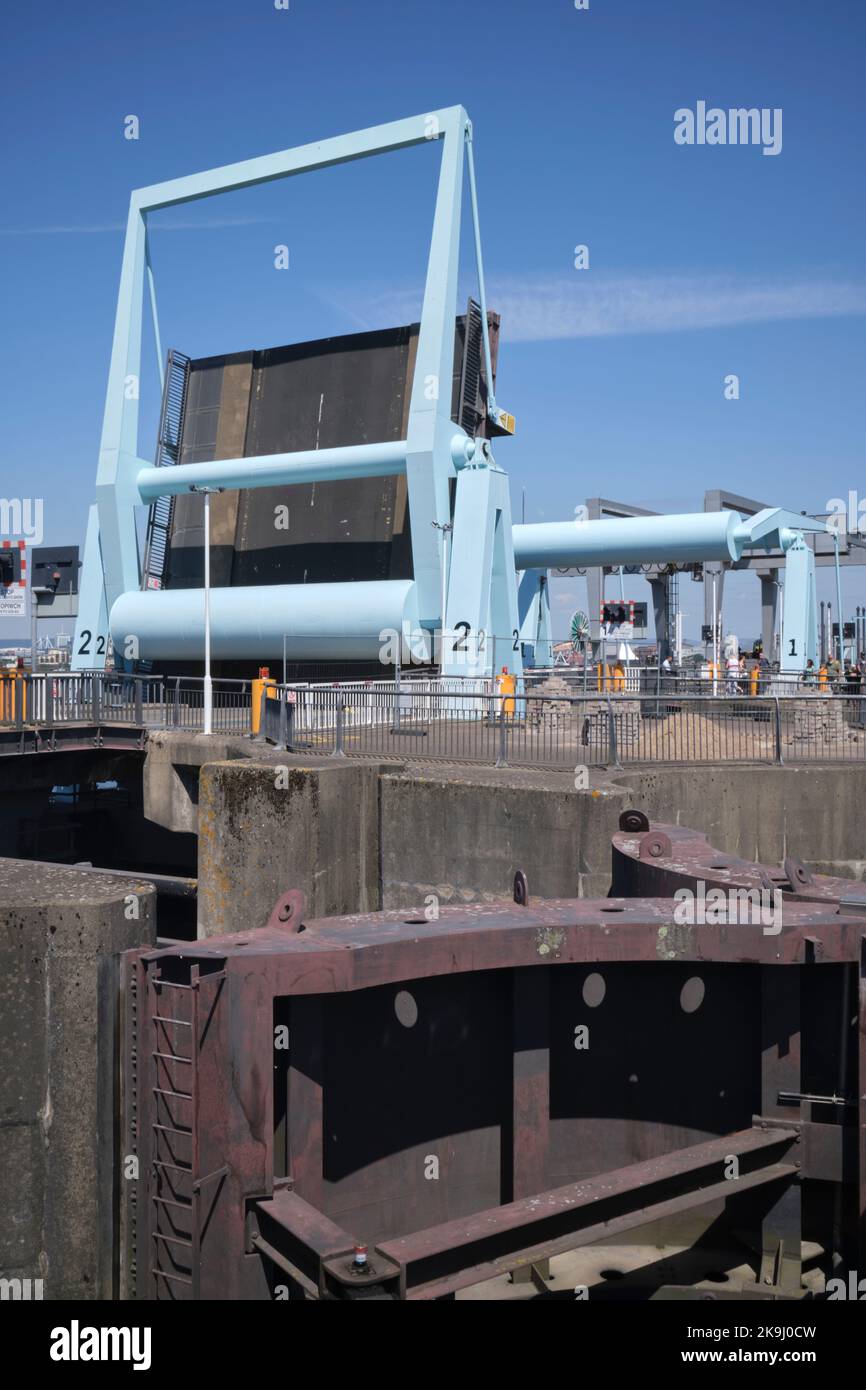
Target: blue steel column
[800, 614]
[482, 592]
[429, 464]
[91, 628]
[116, 494]
[533, 606]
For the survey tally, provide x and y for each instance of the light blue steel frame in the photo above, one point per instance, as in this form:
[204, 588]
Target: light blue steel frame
[113, 542]
[484, 594]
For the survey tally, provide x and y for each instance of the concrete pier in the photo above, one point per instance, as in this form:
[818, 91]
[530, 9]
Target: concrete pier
[356, 836]
[61, 931]
[265, 828]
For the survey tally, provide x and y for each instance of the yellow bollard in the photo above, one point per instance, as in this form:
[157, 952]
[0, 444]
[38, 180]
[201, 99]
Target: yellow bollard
[263, 681]
[13, 692]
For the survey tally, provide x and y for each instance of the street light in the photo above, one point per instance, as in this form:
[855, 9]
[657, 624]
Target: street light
[444, 527]
[208, 683]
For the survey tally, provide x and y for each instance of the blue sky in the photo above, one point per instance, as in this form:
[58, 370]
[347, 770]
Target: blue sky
[704, 261]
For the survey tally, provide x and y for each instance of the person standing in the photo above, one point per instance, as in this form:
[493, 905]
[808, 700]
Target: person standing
[732, 669]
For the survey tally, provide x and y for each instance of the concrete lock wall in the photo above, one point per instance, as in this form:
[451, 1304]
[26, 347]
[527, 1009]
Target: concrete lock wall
[264, 828]
[462, 838]
[60, 934]
[356, 837]
[817, 814]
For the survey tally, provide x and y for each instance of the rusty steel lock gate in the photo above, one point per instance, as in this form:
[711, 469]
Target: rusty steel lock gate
[381, 1106]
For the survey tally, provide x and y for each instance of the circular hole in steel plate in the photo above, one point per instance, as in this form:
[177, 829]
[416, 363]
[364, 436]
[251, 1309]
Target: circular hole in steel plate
[612, 1274]
[613, 909]
[594, 989]
[692, 994]
[405, 1008]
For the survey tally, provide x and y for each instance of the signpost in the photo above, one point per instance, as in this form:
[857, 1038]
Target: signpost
[13, 601]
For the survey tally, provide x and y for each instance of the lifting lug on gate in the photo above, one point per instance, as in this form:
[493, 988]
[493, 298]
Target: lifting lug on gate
[798, 876]
[521, 889]
[289, 910]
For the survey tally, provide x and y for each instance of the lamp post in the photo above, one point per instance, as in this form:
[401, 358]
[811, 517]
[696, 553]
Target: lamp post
[716, 653]
[208, 683]
[444, 527]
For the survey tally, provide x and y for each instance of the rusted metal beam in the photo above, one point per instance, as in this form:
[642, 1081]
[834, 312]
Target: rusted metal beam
[333, 955]
[464, 1252]
[433, 1262]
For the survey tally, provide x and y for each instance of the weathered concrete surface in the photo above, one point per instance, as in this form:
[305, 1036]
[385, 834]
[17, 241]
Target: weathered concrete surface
[171, 774]
[460, 832]
[817, 814]
[461, 835]
[60, 933]
[267, 827]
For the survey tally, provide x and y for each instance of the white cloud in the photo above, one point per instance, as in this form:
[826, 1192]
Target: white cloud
[582, 305]
[560, 308]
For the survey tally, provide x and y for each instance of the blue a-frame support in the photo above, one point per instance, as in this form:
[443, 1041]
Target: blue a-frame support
[481, 590]
[434, 448]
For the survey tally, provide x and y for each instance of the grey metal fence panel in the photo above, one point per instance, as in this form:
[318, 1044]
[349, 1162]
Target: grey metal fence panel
[466, 721]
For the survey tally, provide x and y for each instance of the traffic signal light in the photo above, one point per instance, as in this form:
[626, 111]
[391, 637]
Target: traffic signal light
[12, 564]
[614, 614]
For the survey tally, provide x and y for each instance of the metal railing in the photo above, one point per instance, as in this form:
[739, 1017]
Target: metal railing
[524, 729]
[464, 721]
[650, 680]
[47, 700]
[183, 698]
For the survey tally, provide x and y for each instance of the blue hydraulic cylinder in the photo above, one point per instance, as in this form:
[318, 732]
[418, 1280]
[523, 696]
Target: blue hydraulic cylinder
[628, 541]
[350, 621]
[274, 470]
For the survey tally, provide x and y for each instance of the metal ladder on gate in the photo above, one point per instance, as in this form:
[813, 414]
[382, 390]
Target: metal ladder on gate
[470, 410]
[177, 1184]
[168, 444]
